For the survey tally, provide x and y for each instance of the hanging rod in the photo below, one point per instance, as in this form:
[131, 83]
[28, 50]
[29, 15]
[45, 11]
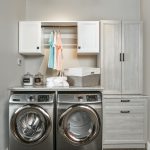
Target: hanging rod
[57, 26]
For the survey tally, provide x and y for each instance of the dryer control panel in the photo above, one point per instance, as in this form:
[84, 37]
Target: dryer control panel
[80, 97]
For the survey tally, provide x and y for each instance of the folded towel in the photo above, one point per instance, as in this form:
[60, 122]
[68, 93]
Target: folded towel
[57, 81]
[57, 78]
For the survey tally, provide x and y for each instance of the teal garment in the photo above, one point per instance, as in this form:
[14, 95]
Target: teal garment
[51, 51]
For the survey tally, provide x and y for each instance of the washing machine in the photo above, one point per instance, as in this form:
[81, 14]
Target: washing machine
[79, 121]
[31, 121]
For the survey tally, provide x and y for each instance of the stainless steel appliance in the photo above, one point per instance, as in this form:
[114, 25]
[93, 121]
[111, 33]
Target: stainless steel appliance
[31, 121]
[79, 121]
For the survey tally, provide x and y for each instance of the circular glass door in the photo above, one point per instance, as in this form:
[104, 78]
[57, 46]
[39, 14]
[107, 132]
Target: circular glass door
[30, 124]
[80, 124]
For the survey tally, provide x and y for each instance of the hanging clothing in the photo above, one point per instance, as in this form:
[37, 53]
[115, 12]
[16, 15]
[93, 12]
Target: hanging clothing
[51, 51]
[55, 51]
[59, 49]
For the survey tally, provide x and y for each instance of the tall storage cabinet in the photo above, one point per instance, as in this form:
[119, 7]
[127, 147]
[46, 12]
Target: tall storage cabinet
[121, 46]
[124, 108]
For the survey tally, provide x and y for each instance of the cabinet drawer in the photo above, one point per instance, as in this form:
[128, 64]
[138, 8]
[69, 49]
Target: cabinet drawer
[123, 128]
[123, 110]
[124, 102]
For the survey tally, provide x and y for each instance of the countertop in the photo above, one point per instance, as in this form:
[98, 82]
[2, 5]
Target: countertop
[118, 96]
[44, 88]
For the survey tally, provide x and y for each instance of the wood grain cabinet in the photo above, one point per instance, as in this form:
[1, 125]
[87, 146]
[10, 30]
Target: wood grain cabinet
[121, 61]
[30, 37]
[124, 120]
[88, 37]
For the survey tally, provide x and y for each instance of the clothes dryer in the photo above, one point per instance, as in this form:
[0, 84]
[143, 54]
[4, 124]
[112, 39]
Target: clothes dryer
[79, 121]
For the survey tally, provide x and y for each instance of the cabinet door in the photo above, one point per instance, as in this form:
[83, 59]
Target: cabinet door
[132, 64]
[110, 59]
[88, 37]
[30, 37]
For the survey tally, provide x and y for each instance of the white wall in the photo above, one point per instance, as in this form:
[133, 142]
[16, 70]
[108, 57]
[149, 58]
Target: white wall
[10, 13]
[77, 10]
[82, 9]
[145, 11]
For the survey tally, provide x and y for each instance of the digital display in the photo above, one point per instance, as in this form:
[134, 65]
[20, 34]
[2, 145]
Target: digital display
[43, 98]
[91, 98]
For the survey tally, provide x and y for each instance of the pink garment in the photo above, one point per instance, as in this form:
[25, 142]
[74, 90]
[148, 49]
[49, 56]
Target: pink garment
[59, 52]
[55, 50]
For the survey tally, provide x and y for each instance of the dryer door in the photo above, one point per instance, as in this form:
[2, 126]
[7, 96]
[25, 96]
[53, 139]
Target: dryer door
[30, 124]
[80, 124]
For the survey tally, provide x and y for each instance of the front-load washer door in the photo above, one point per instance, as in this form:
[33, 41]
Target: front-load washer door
[30, 124]
[80, 124]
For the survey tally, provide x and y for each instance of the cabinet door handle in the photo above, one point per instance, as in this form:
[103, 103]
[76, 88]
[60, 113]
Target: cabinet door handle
[37, 47]
[125, 111]
[123, 57]
[125, 100]
[120, 56]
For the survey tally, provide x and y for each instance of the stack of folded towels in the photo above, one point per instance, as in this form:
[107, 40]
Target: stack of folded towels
[57, 82]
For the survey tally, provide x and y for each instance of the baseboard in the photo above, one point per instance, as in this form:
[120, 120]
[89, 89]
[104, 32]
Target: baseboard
[125, 146]
[148, 146]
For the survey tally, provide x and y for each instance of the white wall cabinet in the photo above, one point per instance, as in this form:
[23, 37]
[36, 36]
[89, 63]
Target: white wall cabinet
[30, 37]
[124, 120]
[121, 61]
[88, 37]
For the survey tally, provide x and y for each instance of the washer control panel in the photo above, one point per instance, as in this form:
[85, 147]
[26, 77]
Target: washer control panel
[31, 98]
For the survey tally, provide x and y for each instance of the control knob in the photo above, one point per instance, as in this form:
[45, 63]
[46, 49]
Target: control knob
[31, 98]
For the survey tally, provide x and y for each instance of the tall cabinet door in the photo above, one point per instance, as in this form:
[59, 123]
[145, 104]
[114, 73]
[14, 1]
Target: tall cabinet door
[110, 60]
[132, 62]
